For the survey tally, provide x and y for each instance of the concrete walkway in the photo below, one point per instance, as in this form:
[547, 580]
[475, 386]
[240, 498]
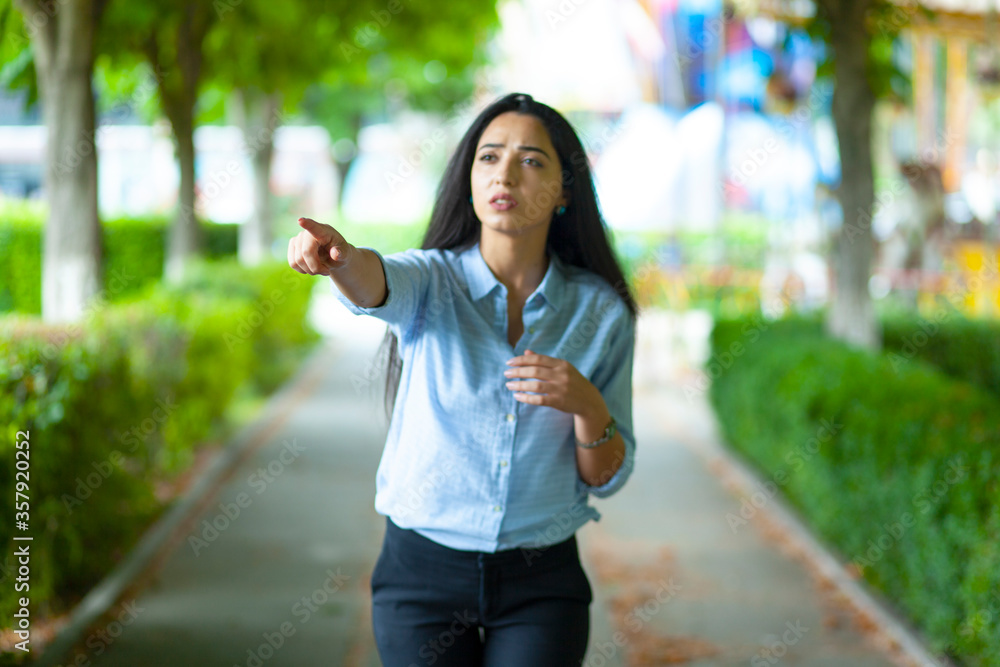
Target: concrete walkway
[276, 570]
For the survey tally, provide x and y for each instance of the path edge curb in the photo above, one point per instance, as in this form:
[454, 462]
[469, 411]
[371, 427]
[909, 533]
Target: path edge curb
[107, 592]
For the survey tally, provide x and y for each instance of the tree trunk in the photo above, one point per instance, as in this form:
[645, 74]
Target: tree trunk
[179, 93]
[63, 43]
[185, 237]
[258, 117]
[341, 178]
[851, 317]
[343, 167]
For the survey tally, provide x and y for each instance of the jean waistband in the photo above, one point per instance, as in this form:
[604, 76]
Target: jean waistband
[518, 557]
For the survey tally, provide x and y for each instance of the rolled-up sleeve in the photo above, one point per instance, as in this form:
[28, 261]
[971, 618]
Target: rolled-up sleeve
[407, 275]
[613, 377]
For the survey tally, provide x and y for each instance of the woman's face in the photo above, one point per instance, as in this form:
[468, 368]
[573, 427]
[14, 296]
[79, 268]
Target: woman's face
[516, 161]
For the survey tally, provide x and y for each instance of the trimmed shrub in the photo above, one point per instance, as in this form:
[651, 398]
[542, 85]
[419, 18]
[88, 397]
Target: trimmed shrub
[895, 466]
[967, 349]
[134, 251]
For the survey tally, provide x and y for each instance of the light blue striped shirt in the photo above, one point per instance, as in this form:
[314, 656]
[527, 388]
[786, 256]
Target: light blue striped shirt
[466, 464]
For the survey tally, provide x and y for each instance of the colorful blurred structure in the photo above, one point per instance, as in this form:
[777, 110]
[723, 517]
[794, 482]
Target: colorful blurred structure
[963, 38]
[733, 119]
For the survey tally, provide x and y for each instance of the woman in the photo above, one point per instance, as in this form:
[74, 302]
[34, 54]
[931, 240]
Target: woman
[516, 331]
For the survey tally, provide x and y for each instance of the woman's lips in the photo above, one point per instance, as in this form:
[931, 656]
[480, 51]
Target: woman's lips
[503, 205]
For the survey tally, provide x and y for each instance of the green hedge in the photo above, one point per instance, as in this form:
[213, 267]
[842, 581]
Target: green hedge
[120, 404]
[967, 349]
[893, 464]
[133, 257]
[20, 267]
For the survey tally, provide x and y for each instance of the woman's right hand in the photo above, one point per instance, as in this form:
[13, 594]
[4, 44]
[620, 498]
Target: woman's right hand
[318, 249]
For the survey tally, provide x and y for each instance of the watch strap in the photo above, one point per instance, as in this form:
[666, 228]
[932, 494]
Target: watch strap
[609, 432]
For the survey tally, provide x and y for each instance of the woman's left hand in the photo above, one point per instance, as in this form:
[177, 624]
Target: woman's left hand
[556, 382]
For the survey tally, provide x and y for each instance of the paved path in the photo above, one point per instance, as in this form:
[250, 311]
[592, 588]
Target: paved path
[292, 569]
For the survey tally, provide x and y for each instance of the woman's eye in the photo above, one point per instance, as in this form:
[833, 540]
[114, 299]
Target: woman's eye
[483, 157]
[531, 159]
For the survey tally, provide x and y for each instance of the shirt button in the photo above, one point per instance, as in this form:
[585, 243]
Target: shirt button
[496, 508]
[503, 464]
[510, 417]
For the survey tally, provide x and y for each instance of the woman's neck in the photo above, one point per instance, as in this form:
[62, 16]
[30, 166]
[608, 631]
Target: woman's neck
[519, 263]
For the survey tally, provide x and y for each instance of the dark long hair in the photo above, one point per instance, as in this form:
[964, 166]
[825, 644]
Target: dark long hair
[578, 236]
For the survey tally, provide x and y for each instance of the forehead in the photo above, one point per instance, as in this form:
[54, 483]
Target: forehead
[516, 127]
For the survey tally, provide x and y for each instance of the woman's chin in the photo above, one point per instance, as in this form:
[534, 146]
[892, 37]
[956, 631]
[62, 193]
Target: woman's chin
[508, 222]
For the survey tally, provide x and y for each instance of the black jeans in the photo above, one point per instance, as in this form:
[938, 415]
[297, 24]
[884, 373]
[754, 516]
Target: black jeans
[429, 602]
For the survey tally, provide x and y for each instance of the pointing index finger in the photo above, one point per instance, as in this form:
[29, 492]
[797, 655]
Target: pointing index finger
[313, 228]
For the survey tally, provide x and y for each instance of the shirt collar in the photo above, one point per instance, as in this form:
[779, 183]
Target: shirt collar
[481, 280]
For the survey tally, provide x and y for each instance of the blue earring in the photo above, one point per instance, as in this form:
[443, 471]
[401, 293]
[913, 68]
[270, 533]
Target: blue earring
[560, 210]
[470, 199]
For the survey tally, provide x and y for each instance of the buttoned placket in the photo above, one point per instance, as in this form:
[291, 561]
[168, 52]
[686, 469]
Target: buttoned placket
[508, 415]
[529, 316]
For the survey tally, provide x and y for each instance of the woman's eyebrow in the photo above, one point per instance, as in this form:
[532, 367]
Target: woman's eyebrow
[523, 148]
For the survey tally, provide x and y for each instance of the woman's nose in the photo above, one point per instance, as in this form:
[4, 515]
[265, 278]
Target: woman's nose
[505, 174]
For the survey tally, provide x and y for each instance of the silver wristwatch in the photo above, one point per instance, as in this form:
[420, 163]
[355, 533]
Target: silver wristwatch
[609, 432]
